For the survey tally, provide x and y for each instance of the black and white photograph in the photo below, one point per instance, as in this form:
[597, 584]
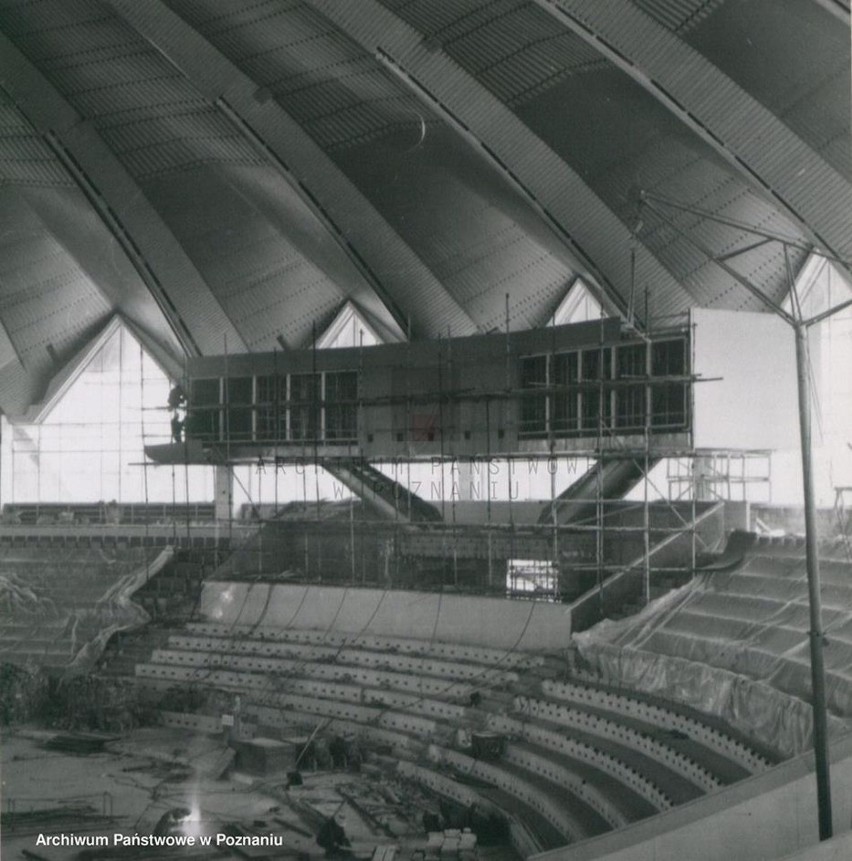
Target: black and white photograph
[425, 430]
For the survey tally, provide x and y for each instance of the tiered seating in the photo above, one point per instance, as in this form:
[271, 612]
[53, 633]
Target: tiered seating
[577, 769]
[58, 604]
[700, 733]
[754, 621]
[629, 791]
[531, 832]
[625, 741]
[553, 803]
[525, 841]
[97, 512]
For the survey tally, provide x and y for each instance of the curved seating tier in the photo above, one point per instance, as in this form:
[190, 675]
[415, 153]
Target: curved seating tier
[555, 806]
[618, 703]
[619, 772]
[57, 604]
[341, 672]
[477, 655]
[580, 759]
[735, 643]
[624, 739]
[544, 824]
[754, 621]
[550, 768]
[526, 841]
[406, 665]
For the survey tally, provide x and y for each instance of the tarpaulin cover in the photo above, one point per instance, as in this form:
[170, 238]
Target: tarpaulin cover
[735, 643]
[59, 606]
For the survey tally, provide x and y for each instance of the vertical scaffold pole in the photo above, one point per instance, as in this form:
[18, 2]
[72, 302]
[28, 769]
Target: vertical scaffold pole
[488, 490]
[553, 396]
[646, 468]
[817, 636]
[599, 488]
[815, 602]
[144, 454]
[517, 418]
[226, 398]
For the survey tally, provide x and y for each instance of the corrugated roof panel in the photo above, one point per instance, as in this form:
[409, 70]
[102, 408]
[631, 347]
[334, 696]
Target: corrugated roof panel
[792, 57]
[45, 298]
[764, 266]
[32, 251]
[408, 283]
[22, 18]
[434, 18]
[514, 48]
[87, 42]
[325, 97]
[128, 134]
[827, 132]
[25, 158]
[155, 97]
[229, 15]
[335, 90]
[114, 72]
[290, 33]
[679, 15]
[126, 84]
[778, 159]
[483, 18]
[256, 261]
[466, 224]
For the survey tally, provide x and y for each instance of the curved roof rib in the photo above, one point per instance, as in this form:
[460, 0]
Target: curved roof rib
[182, 294]
[403, 279]
[838, 8]
[738, 127]
[593, 229]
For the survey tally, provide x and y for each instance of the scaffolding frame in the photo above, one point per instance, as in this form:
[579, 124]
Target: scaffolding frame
[608, 445]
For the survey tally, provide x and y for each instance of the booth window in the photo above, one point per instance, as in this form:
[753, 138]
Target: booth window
[534, 395]
[669, 405]
[239, 399]
[205, 416]
[566, 395]
[340, 403]
[271, 400]
[304, 406]
[668, 358]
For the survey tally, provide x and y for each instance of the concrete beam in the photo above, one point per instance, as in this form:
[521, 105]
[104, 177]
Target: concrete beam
[183, 297]
[400, 279]
[790, 173]
[589, 228]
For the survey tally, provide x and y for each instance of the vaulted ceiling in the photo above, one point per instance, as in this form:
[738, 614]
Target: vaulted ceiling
[226, 174]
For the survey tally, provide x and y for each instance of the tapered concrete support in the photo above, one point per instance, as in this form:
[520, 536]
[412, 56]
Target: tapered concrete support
[470, 480]
[602, 482]
[703, 478]
[223, 493]
[384, 495]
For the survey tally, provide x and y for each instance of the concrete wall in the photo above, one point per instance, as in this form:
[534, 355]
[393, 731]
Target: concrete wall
[838, 849]
[492, 622]
[764, 818]
[748, 399]
[791, 518]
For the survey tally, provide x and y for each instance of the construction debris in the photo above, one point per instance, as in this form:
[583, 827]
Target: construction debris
[79, 742]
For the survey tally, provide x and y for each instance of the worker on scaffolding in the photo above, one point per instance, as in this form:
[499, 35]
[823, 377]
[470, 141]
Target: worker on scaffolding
[177, 405]
[177, 428]
[177, 398]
